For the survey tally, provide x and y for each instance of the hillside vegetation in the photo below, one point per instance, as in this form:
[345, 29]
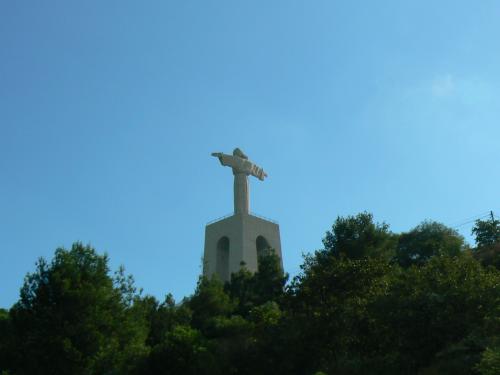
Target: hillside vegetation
[370, 302]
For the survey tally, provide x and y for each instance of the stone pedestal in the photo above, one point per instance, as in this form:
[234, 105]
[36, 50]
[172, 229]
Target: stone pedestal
[237, 240]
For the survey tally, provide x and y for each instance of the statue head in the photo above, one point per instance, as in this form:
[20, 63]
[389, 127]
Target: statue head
[239, 153]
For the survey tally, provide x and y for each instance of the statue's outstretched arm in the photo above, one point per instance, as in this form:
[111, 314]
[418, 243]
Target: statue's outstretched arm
[258, 172]
[225, 160]
[240, 164]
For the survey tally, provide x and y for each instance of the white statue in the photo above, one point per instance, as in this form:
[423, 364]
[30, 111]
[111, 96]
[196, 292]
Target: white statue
[242, 167]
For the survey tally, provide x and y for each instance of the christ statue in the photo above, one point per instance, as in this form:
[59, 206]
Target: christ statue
[242, 167]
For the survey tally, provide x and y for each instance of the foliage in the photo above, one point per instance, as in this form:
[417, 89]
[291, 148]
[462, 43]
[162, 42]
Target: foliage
[370, 302]
[358, 237]
[248, 290]
[184, 350]
[208, 303]
[427, 240]
[430, 315]
[329, 305]
[487, 232]
[72, 319]
[490, 362]
[6, 341]
[489, 255]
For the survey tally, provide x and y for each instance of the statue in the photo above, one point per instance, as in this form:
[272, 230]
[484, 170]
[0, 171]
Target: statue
[238, 240]
[242, 167]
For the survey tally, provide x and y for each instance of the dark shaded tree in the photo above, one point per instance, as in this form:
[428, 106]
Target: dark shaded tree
[270, 279]
[328, 325]
[71, 318]
[426, 240]
[487, 236]
[183, 350]
[257, 298]
[209, 302]
[432, 316]
[248, 290]
[163, 317]
[358, 237]
[7, 349]
[487, 232]
[351, 310]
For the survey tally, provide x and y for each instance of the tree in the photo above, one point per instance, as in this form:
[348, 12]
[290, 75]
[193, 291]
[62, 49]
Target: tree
[241, 290]
[209, 302]
[432, 317]
[7, 349]
[247, 340]
[490, 362]
[358, 237]
[487, 232]
[71, 318]
[163, 317]
[329, 327]
[351, 310]
[248, 290]
[183, 350]
[270, 279]
[425, 241]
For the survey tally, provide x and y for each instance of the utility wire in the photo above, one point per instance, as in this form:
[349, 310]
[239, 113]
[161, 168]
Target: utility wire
[482, 214]
[475, 217]
[471, 221]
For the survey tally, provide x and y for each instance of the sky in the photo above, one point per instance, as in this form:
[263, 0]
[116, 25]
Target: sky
[109, 112]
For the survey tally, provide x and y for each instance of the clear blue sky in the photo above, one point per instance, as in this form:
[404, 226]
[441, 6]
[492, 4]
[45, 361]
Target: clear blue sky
[109, 112]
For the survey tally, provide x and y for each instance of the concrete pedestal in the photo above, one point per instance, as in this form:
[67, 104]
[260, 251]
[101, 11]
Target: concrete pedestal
[237, 240]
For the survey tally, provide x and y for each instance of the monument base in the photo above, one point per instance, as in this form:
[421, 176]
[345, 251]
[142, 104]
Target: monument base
[236, 241]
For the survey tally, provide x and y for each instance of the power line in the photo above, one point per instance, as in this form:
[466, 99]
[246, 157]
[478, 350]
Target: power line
[471, 220]
[474, 217]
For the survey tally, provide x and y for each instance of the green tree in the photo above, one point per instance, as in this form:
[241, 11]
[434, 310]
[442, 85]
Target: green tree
[163, 317]
[328, 324]
[487, 232]
[183, 350]
[71, 318]
[427, 240]
[431, 317]
[270, 279]
[241, 290]
[214, 315]
[248, 290]
[208, 303]
[7, 349]
[490, 362]
[266, 353]
[358, 237]
[351, 310]
[490, 336]
[250, 341]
